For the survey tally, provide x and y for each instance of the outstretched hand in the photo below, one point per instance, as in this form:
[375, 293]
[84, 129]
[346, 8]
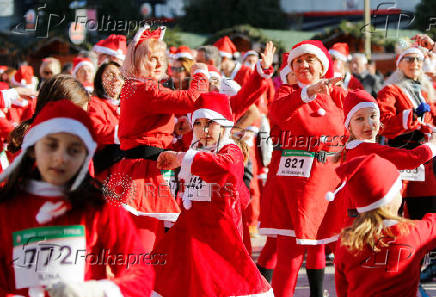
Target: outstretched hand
[268, 55]
[323, 86]
[424, 40]
[168, 160]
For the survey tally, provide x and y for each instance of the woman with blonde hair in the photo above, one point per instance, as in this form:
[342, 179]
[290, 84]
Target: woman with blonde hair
[408, 115]
[147, 119]
[380, 254]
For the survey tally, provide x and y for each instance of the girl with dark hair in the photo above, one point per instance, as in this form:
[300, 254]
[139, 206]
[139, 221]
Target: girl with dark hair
[105, 114]
[63, 235]
[58, 87]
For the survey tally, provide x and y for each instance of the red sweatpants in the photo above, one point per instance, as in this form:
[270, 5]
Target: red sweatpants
[268, 256]
[290, 257]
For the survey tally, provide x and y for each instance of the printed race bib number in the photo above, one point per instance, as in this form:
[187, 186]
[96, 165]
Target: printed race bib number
[46, 255]
[170, 178]
[417, 174]
[295, 163]
[197, 190]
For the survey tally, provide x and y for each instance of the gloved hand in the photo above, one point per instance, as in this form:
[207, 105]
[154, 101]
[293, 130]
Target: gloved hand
[421, 109]
[84, 289]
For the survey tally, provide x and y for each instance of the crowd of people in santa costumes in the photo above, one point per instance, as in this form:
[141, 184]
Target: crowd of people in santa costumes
[180, 156]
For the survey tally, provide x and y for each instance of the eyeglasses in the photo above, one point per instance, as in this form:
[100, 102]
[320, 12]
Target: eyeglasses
[177, 69]
[410, 60]
[47, 73]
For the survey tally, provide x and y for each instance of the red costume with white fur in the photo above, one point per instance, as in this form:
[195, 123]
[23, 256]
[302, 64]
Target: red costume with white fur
[206, 239]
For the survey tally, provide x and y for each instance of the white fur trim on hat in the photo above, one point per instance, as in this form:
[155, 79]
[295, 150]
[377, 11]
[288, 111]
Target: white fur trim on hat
[226, 55]
[183, 55]
[410, 50]
[210, 114]
[310, 49]
[393, 191]
[284, 73]
[56, 125]
[24, 84]
[105, 50]
[358, 106]
[249, 53]
[83, 63]
[338, 55]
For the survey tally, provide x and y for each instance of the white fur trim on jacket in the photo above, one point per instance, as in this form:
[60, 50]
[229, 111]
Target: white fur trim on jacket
[161, 216]
[110, 288]
[9, 96]
[260, 71]
[405, 121]
[432, 147]
[305, 97]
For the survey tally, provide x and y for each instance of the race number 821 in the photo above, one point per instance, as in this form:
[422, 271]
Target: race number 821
[295, 165]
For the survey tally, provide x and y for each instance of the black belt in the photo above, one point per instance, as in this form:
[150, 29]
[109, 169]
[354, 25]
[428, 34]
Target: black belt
[320, 156]
[143, 152]
[107, 156]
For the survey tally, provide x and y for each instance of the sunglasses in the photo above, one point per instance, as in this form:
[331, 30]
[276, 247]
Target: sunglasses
[410, 60]
[177, 69]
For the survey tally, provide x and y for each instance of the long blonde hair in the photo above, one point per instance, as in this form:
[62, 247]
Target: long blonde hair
[135, 54]
[368, 229]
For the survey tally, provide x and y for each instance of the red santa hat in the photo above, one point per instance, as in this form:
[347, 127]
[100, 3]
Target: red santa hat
[79, 62]
[24, 77]
[410, 50]
[340, 51]
[356, 100]
[145, 33]
[369, 187]
[284, 68]
[213, 72]
[114, 45]
[316, 48]
[3, 68]
[226, 47]
[184, 52]
[214, 106]
[172, 51]
[61, 116]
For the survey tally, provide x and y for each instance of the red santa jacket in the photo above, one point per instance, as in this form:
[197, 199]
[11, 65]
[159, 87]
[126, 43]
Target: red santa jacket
[396, 111]
[105, 118]
[148, 108]
[95, 240]
[402, 158]
[240, 74]
[311, 125]
[394, 270]
[352, 83]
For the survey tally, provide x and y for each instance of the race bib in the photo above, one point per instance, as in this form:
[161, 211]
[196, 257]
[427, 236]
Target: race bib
[170, 178]
[197, 190]
[417, 174]
[46, 255]
[295, 163]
